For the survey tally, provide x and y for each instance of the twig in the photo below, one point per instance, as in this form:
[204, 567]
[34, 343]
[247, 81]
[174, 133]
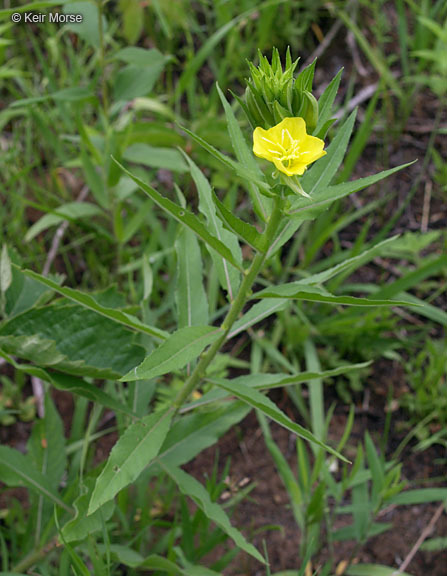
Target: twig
[425, 533]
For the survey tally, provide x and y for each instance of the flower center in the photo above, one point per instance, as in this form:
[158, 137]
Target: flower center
[287, 150]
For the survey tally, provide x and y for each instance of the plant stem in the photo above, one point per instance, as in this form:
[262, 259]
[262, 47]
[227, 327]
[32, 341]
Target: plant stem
[235, 308]
[34, 557]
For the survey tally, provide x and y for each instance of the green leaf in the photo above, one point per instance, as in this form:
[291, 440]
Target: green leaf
[258, 312]
[244, 230]
[309, 208]
[189, 486]
[66, 337]
[361, 510]
[175, 352]
[89, 302]
[155, 157]
[245, 156]
[322, 172]
[92, 174]
[242, 171]
[192, 433]
[414, 277]
[326, 102]
[270, 381]
[301, 291]
[23, 294]
[70, 384]
[88, 29]
[71, 211]
[79, 527]
[74, 94]
[350, 264]
[420, 496]
[192, 303]
[46, 446]
[16, 469]
[5, 270]
[266, 406]
[141, 57]
[139, 444]
[184, 217]
[285, 472]
[133, 19]
[228, 277]
[373, 570]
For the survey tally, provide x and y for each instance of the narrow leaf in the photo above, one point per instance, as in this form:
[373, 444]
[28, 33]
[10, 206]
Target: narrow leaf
[189, 486]
[79, 527]
[246, 158]
[307, 209]
[184, 217]
[373, 570]
[139, 445]
[179, 349]
[244, 230]
[192, 303]
[299, 291]
[16, 469]
[322, 172]
[326, 102]
[228, 277]
[265, 405]
[258, 312]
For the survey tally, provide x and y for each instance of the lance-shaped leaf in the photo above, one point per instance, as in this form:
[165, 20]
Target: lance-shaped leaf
[16, 469]
[325, 104]
[184, 217]
[192, 303]
[175, 352]
[259, 401]
[307, 209]
[82, 525]
[246, 158]
[189, 486]
[257, 313]
[192, 433]
[236, 167]
[139, 444]
[228, 277]
[373, 570]
[322, 172]
[349, 264]
[270, 381]
[244, 230]
[301, 291]
[87, 301]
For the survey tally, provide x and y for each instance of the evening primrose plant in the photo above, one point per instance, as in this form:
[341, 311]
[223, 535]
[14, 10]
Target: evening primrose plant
[287, 169]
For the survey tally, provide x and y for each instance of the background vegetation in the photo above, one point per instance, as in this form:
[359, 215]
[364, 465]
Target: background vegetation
[136, 80]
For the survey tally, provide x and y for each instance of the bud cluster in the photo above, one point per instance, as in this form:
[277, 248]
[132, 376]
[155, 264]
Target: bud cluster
[273, 94]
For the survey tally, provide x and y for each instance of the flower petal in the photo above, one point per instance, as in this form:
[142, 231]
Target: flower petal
[264, 145]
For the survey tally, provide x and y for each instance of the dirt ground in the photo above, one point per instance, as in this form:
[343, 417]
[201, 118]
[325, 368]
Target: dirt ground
[268, 503]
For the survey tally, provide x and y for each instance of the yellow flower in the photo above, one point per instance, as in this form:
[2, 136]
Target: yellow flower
[288, 146]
